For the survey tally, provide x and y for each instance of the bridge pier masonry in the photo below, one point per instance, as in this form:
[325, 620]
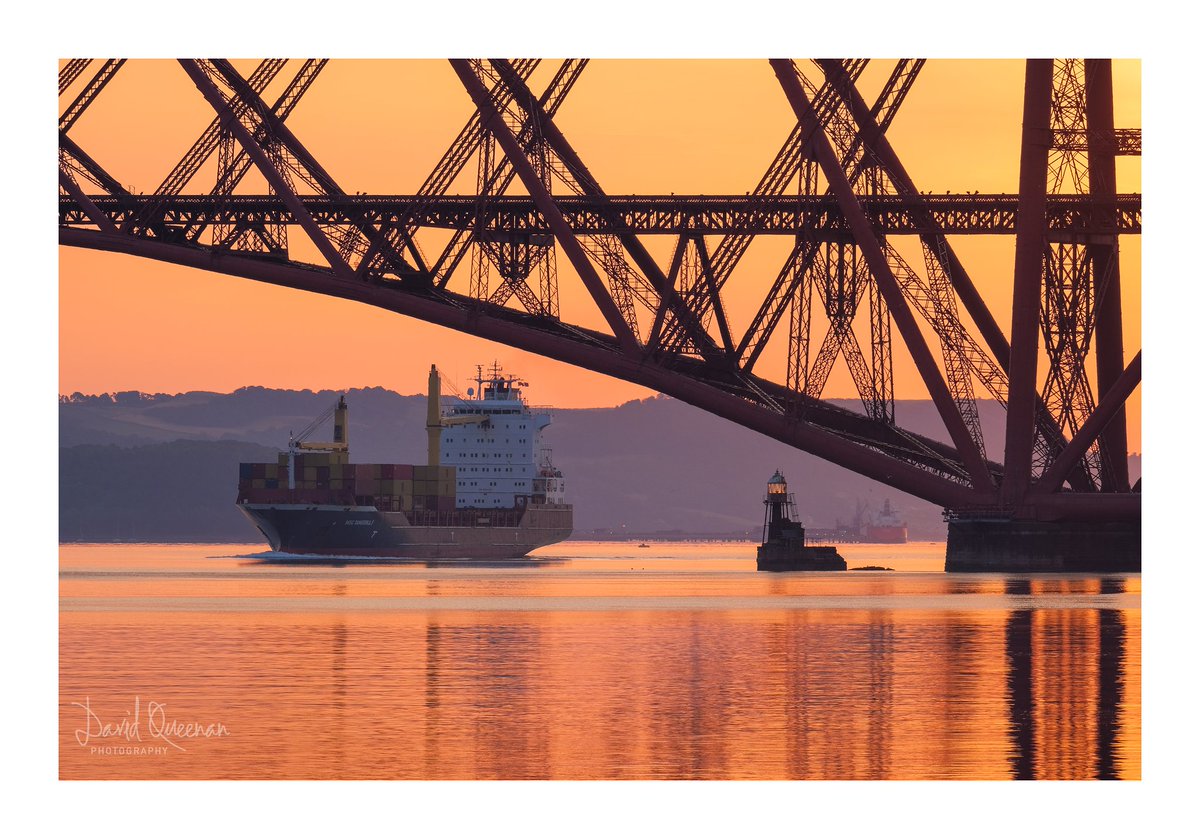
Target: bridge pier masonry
[977, 543]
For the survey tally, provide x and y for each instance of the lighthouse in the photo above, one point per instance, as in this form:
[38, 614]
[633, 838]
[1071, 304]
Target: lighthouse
[783, 547]
[780, 509]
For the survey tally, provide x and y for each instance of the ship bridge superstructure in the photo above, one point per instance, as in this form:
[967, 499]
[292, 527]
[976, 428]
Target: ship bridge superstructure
[495, 458]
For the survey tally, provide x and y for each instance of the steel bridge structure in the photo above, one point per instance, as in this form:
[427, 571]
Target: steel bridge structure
[837, 191]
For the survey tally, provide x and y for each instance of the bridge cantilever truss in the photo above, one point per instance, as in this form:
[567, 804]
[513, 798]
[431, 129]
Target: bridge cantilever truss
[837, 190]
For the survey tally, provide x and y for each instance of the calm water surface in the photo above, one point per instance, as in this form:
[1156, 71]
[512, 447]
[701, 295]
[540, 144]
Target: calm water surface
[595, 660]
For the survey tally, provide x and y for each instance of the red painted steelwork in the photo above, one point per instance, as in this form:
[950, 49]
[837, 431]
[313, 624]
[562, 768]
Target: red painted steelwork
[902, 316]
[1027, 281]
[545, 203]
[1111, 406]
[263, 161]
[607, 360]
[1110, 348]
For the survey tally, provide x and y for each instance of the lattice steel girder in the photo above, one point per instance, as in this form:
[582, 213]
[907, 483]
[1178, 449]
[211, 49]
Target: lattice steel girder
[545, 202]
[70, 72]
[1126, 142]
[592, 351]
[591, 187]
[88, 95]
[94, 170]
[469, 141]
[1067, 216]
[874, 137]
[902, 317]
[266, 166]
[959, 349]
[501, 175]
[96, 216]
[207, 142]
[1110, 406]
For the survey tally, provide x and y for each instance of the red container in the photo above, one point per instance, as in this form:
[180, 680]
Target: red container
[403, 471]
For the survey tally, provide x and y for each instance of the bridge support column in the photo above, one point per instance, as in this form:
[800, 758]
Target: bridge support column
[1030, 546]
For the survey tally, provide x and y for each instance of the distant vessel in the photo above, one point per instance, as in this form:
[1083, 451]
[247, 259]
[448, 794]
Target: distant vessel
[489, 491]
[783, 547]
[887, 528]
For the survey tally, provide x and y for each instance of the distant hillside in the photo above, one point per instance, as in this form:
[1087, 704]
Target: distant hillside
[165, 492]
[653, 464]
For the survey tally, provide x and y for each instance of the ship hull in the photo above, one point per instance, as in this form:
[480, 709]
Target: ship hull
[327, 530]
[886, 534]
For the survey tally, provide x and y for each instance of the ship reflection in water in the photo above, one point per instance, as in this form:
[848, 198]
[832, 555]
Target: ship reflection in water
[673, 661]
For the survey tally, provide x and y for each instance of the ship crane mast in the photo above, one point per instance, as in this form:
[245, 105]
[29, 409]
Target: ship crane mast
[340, 443]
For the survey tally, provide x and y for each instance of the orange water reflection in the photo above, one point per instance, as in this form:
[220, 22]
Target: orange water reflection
[697, 667]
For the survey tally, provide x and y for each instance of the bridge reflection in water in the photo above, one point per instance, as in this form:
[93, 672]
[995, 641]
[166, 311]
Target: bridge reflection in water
[603, 668]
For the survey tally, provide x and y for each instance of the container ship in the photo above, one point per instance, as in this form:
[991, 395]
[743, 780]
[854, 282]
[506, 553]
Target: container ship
[489, 490]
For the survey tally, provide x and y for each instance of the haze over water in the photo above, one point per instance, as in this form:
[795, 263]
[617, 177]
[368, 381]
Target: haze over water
[597, 660]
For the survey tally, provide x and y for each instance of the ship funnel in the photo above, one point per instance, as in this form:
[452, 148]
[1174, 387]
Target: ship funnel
[433, 418]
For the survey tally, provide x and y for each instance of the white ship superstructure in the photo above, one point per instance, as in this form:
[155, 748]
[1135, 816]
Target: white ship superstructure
[493, 440]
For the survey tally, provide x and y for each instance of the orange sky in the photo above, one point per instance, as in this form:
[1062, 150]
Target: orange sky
[379, 126]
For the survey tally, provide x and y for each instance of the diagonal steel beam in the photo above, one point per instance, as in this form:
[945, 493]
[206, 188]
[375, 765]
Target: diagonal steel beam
[660, 311]
[545, 203]
[874, 137]
[70, 72]
[1112, 405]
[706, 270]
[231, 173]
[94, 169]
[436, 183]
[93, 212]
[590, 186]
[943, 263]
[494, 176]
[304, 163]
[902, 316]
[219, 104]
[787, 162]
[201, 150]
[88, 95]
